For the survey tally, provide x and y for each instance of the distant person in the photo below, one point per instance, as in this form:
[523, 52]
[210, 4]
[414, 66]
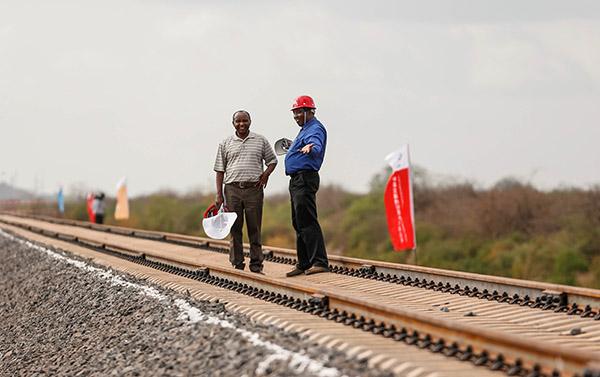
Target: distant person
[239, 164]
[98, 208]
[302, 163]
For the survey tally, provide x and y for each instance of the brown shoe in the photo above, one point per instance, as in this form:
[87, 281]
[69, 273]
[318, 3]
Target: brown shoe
[316, 270]
[295, 272]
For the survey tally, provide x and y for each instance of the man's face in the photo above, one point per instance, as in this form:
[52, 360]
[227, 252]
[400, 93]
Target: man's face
[299, 116]
[241, 122]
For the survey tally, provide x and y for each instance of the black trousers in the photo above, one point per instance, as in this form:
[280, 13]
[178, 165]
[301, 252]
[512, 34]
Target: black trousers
[310, 245]
[99, 218]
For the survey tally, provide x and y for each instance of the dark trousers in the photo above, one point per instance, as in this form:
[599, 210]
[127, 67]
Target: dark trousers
[310, 245]
[248, 203]
[99, 218]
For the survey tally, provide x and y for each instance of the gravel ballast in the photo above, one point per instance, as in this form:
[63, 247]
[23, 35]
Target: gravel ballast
[62, 315]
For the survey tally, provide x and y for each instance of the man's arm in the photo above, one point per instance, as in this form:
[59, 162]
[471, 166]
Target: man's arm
[314, 142]
[264, 177]
[219, 168]
[270, 160]
[219, 180]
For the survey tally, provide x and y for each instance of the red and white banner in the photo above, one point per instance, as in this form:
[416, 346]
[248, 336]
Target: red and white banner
[399, 201]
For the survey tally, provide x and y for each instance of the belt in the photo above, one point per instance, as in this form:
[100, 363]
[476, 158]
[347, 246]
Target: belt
[243, 185]
[300, 172]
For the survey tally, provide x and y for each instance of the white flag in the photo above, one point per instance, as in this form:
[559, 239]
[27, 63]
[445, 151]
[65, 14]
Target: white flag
[399, 160]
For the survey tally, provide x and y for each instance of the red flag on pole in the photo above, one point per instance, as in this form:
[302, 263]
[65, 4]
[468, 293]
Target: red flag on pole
[90, 207]
[399, 201]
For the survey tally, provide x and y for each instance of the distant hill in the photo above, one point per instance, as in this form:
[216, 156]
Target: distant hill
[8, 192]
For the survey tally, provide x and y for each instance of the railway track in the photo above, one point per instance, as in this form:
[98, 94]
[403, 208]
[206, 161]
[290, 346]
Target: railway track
[570, 300]
[413, 306]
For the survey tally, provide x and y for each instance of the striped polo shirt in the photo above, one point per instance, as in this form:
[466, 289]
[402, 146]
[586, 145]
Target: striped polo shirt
[242, 159]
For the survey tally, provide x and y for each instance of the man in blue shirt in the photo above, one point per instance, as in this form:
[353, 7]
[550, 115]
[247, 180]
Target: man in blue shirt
[302, 163]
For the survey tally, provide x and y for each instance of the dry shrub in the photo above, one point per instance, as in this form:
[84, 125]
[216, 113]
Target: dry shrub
[510, 208]
[331, 199]
[451, 208]
[592, 206]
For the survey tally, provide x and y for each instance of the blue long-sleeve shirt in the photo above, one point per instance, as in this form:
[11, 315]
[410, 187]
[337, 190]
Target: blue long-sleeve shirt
[312, 132]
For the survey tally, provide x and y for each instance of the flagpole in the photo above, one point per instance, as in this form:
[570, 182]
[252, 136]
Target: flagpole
[412, 201]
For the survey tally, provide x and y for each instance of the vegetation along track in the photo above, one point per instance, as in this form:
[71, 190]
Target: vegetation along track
[511, 338]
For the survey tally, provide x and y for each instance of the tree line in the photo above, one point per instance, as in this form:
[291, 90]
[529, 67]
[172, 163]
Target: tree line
[511, 229]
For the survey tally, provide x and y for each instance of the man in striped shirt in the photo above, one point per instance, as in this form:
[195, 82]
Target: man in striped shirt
[239, 165]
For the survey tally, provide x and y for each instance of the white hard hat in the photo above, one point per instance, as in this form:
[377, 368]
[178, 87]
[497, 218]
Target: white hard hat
[218, 226]
[282, 146]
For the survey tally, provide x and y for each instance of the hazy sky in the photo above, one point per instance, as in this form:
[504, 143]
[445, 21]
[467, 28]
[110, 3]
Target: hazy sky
[91, 91]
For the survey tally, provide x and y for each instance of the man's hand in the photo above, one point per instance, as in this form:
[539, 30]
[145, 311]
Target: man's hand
[306, 149]
[263, 179]
[219, 200]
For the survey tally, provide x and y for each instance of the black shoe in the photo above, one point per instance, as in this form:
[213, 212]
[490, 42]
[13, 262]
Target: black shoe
[257, 270]
[316, 270]
[295, 272]
[240, 266]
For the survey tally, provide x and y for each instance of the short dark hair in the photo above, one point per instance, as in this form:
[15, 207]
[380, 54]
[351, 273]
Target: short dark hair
[240, 111]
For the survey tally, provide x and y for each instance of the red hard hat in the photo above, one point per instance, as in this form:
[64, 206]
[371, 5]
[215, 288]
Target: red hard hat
[303, 102]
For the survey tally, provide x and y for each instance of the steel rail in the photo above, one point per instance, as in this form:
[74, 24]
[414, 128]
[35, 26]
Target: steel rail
[424, 329]
[570, 299]
[532, 355]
